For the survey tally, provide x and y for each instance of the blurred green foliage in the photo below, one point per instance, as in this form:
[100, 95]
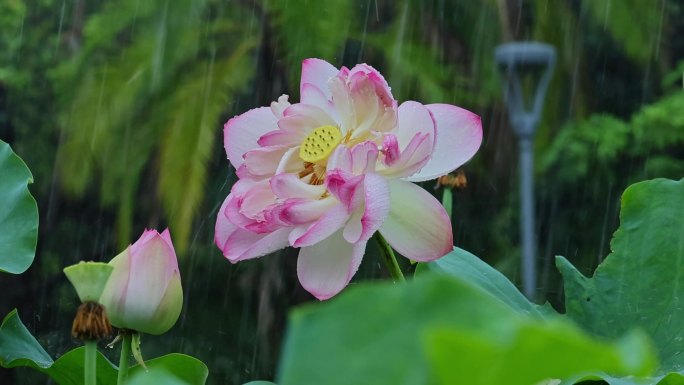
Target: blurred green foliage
[591, 161]
[154, 99]
[603, 144]
[300, 28]
[117, 107]
[640, 36]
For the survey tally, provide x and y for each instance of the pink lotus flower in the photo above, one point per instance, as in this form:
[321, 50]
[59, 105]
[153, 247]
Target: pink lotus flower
[144, 292]
[328, 172]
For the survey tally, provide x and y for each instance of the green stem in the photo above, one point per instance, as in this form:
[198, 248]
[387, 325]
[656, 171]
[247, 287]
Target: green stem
[387, 255]
[447, 200]
[89, 363]
[125, 354]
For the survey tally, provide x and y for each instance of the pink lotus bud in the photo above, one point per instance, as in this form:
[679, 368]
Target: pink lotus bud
[144, 292]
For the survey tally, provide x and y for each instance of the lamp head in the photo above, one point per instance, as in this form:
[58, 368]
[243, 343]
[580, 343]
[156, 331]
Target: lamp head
[525, 54]
[516, 60]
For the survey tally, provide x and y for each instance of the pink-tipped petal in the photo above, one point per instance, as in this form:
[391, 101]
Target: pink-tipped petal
[343, 186]
[297, 232]
[301, 211]
[145, 237]
[354, 228]
[244, 174]
[232, 211]
[342, 103]
[166, 236]
[256, 200]
[238, 244]
[115, 294]
[223, 227]
[290, 162]
[408, 161]
[279, 106]
[281, 138]
[333, 220]
[156, 258]
[372, 106]
[291, 186]
[414, 118]
[366, 104]
[310, 115]
[370, 210]
[377, 205]
[364, 157]
[302, 124]
[381, 86]
[244, 244]
[241, 133]
[459, 135]
[340, 159]
[325, 268]
[418, 227]
[315, 96]
[390, 149]
[264, 161]
[316, 72]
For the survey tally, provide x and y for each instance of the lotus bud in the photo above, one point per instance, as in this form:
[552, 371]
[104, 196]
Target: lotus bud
[144, 293]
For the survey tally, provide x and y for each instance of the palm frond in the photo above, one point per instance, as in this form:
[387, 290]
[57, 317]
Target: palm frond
[191, 121]
[163, 81]
[634, 24]
[310, 29]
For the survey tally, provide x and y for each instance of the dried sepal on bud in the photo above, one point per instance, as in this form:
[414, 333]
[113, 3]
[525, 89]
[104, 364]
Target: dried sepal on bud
[135, 349]
[91, 322]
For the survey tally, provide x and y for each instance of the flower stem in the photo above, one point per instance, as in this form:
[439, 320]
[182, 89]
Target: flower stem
[389, 259]
[448, 200]
[123, 360]
[90, 363]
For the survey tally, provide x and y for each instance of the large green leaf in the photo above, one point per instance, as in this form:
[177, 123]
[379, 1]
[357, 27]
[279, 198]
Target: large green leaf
[68, 369]
[641, 283]
[19, 348]
[155, 376]
[392, 334]
[186, 369]
[529, 354]
[464, 265]
[260, 383]
[18, 213]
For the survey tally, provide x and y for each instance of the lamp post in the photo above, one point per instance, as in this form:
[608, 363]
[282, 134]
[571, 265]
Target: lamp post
[516, 60]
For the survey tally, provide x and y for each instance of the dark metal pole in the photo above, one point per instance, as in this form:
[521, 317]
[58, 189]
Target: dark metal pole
[529, 267]
[514, 58]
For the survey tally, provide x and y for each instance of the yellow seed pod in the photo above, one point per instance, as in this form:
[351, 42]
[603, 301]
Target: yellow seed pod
[319, 144]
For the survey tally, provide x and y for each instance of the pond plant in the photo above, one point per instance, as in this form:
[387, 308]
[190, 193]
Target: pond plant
[327, 175]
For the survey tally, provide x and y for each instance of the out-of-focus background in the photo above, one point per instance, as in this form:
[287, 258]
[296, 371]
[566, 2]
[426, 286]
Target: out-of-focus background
[117, 107]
